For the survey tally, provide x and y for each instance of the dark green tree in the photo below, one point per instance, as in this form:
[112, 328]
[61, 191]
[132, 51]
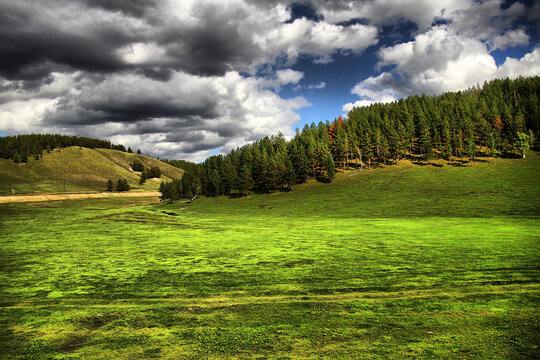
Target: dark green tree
[245, 182]
[122, 185]
[330, 167]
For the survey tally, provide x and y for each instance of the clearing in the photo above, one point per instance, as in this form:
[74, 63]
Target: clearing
[393, 263]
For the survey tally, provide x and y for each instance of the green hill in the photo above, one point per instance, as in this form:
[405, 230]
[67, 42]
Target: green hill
[397, 262]
[78, 169]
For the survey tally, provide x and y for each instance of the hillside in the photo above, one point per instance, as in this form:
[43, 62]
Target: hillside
[500, 119]
[397, 262]
[81, 168]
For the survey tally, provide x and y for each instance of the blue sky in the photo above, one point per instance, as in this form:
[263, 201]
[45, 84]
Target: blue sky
[192, 78]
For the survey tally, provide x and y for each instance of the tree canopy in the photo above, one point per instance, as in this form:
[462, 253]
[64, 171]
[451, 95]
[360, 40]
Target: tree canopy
[501, 117]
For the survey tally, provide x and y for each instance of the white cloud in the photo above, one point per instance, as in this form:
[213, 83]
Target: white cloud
[510, 39]
[383, 88]
[528, 65]
[378, 12]
[437, 61]
[357, 104]
[288, 76]
[317, 86]
[318, 39]
[483, 20]
[186, 117]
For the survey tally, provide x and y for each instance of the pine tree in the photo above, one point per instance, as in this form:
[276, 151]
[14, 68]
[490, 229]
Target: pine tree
[290, 175]
[130, 151]
[245, 182]
[491, 144]
[109, 185]
[139, 151]
[16, 157]
[143, 177]
[24, 156]
[523, 143]
[272, 174]
[122, 185]
[330, 167]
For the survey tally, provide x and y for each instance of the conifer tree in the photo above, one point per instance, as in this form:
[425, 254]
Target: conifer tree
[109, 185]
[16, 157]
[523, 143]
[245, 182]
[290, 175]
[143, 177]
[330, 167]
[24, 156]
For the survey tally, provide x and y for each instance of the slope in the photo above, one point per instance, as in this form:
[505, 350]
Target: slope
[78, 169]
[393, 263]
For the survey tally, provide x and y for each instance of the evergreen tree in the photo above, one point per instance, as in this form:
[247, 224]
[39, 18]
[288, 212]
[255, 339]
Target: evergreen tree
[245, 182]
[130, 151]
[491, 144]
[330, 167]
[139, 151]
[523, 143]
[136, 166]
[154, 172]
[16, 157]
[290, 175]
[143, 177]
[122, 185]
[109, 185]
[24, 156]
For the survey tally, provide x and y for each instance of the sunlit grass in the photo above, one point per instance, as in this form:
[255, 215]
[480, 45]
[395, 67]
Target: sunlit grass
[77, 169]
[409, 262]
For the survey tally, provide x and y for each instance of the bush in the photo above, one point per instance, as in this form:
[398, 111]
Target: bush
[154, 172]
[122, 185]
[137, 166]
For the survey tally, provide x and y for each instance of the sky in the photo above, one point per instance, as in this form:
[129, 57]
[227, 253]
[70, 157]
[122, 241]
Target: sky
[186, 79]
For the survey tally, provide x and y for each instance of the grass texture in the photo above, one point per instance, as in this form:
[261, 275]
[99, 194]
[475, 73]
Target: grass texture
[392, 263]
[76, 169]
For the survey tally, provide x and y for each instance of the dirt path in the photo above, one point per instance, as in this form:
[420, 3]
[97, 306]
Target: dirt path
[51, 197]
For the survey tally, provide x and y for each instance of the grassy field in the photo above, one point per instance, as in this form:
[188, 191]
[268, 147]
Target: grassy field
[82, 169]
[392, 263]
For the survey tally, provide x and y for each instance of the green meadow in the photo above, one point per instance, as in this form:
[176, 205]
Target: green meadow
[392, 263]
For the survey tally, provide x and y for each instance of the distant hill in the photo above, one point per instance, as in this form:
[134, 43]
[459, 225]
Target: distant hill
[79, 169]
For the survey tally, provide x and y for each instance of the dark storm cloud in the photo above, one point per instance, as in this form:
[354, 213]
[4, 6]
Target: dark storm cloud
[135, 8]
[32, 47]
[212, 46]
[182, 135]
[78, 112]
[304, 10]
[35, 39]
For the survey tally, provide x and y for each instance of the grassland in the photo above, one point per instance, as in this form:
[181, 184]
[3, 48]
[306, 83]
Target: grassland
[76, 169]
[393, 263]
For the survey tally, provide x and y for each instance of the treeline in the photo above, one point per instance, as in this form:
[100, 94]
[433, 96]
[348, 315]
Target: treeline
[146, 173]
[121, 185]
[500, 118]
[21, 147]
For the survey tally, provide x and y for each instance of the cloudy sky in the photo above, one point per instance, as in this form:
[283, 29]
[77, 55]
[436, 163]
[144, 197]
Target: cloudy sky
[191, 78]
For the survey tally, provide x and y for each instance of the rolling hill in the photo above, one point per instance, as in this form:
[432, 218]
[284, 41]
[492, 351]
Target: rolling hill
[397, 262]
[78, 169]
